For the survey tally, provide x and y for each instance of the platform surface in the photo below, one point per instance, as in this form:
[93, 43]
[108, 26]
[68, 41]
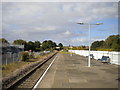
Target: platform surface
[72, 72]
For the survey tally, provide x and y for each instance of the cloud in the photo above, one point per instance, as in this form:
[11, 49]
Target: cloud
[84, 41]
[56, 21]
[48, 28]
[61, 1]
[79, 40]
[67, 33]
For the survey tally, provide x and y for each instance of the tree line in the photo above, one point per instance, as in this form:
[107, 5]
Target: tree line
[112, 43]
[36, 45]
[83, 47]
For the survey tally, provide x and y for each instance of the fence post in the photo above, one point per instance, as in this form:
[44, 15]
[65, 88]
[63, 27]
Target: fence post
[13, 57]
[6, 58]
[18, 56]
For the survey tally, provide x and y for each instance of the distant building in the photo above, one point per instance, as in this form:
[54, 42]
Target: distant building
[57, 48]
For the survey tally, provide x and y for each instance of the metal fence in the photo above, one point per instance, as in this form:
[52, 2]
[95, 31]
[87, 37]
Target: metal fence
[10, 57]
[10, 53]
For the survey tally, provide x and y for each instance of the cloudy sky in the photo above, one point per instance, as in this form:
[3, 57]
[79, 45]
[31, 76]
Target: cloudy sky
[56, 21]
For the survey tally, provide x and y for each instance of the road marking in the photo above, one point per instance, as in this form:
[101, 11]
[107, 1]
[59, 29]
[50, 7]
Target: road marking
[43, 74]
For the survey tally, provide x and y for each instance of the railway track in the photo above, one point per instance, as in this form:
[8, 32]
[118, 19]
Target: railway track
[29, 81]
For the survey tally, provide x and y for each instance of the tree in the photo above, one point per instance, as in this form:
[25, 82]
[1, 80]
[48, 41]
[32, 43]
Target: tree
[60, 45]
[97, 44]
[44, 45]
[37, 46]
[51, 44]
[112, 42]
[48, 45]
[19, 42]
[54, 45]
[30, 46]
[3, 40]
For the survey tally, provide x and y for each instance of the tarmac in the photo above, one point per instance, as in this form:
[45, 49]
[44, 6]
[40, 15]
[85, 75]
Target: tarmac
[73, 72]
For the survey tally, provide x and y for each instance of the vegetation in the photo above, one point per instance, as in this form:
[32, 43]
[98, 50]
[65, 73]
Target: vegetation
[3, 40]
[19, 42]
[80, 48]
[97, 44]
[24, 56]
[76, 48]
[112, 43]
[30, 46]
[48, 45]
[12, 67]
[37, 46]
[60, 45]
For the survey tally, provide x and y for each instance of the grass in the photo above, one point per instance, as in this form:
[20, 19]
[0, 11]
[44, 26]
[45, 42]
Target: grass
[44, 55]
[10, 68]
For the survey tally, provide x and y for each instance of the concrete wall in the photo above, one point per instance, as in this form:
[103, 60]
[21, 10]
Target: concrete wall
[114, 56]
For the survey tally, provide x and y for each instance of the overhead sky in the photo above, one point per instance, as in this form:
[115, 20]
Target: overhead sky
[56, 21]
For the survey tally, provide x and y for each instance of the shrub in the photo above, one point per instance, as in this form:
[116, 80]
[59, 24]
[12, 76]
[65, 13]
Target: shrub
[31, 56]
[24, 56]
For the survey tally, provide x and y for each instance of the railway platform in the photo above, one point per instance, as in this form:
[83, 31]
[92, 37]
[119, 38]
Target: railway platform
[72, 72]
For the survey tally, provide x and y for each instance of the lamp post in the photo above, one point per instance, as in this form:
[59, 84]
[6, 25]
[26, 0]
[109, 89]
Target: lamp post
[89, 37]
[71, 50]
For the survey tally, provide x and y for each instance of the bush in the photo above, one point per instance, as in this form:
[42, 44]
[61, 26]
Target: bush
[24, 56]
[31, 56]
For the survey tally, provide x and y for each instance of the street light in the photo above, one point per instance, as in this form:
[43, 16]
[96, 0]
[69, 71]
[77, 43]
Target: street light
[81, 23]
[71, 50]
